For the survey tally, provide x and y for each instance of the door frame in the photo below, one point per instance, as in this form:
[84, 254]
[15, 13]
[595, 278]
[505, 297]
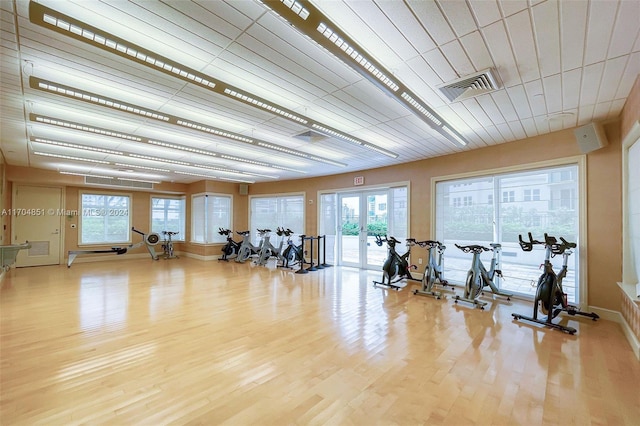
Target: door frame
[61, 222]
[359, 189]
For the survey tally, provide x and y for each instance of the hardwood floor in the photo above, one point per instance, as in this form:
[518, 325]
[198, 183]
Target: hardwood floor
[189, 342]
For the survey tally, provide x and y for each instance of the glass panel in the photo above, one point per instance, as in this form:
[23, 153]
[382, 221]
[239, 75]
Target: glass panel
[498, 209]
[376, 225]
[105, 219]
[350, 229]
[168, 214]
[328, 224]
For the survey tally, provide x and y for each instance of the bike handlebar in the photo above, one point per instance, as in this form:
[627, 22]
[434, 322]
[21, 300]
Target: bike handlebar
[475, 248]
[550, 242]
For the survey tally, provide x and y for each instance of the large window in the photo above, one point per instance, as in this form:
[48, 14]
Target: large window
[271, 212]
[168, 214]
[105, 218]
[209, 212]
[498, 208]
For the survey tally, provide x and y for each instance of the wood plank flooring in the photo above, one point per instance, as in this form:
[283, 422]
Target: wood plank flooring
[182, 341]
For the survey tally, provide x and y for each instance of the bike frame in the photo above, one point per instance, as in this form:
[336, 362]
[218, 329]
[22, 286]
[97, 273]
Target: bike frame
[479, 277]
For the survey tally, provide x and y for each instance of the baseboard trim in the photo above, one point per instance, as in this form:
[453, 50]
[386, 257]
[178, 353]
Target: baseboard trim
[201, 257]
[616, 316]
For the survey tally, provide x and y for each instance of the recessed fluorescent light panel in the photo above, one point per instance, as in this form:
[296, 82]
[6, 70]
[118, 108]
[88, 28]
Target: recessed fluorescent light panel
[320, 29]
[64, 24]
[93, 98]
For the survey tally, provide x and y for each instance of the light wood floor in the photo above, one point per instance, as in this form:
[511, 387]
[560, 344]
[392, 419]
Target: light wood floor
[189, 342]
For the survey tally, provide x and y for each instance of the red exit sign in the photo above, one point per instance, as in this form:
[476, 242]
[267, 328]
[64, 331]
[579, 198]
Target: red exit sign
[358, 180]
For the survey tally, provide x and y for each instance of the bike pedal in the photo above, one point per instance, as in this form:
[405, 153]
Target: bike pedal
[499, 273]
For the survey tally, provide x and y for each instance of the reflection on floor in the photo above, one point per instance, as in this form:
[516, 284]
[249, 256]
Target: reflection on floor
[187, 341]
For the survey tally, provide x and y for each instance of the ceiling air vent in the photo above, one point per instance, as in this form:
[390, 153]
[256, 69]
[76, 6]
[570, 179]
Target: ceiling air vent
[470, 86]
[311, 136]
[117, 182]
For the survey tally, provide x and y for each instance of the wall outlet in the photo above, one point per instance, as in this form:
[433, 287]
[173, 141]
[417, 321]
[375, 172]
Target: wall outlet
[419, 261]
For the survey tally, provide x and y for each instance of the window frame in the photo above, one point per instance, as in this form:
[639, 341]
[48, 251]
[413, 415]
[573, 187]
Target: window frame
[81, 210]
[254, 237]
[180, 237]
[222, 238]
[581, 164]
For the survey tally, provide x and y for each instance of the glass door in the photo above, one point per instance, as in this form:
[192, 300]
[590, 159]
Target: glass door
[363, 215]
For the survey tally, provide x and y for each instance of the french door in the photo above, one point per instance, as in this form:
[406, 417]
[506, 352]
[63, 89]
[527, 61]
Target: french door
[362, 216]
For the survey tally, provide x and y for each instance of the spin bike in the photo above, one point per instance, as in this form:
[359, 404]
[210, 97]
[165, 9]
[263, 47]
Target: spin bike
[267, 250]
[293, 254]
[230, 250]
[478, 277]
[167, 245]
[247, 249]
[434, 269]
[396, 267]
[550, 297]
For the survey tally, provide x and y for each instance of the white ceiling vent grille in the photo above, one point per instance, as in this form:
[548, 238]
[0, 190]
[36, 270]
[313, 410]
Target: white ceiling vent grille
[117, 182]
[311, 136]
[470, 86]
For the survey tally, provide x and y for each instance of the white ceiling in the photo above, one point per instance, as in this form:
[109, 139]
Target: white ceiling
[561, 64]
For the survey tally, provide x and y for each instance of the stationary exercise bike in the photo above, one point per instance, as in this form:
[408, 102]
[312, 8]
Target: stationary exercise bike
[434, 269]
[267, 250]
[293, 254]
[167, 245]
[550, 298]
[396, 267]
[230, 250]
[247, 249]
[478, 277]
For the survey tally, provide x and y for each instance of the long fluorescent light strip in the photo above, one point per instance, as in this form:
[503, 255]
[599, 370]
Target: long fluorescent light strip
[37, 83]
[108, 177]
[36, 10]
[213, 131]
[120, 47]
[260, 163]
[421, 108]
[161, 160]
[76, 126]
[75, 146]
[101, 101]
[81, 127]
[70, 157]
[296, 8]
[266, 106]
[135, 166]
[351, 54]
[214, 177]
[356, 56]
[453, 135]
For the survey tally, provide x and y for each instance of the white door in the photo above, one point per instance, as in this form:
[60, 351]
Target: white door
[36, 213]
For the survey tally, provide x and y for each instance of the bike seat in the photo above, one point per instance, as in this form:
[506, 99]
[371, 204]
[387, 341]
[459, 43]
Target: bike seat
[243, 233]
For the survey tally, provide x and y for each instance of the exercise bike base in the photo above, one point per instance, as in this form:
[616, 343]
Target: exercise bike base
[387, 285]
[435, 294]
[546, 323]
[572, 310]
[477, 303]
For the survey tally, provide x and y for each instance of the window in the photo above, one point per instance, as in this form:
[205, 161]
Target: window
[531, 195]
[271, 212]
[208, 213]
[105, 218]
[168, 214]
[508, 196]
[549, 204]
